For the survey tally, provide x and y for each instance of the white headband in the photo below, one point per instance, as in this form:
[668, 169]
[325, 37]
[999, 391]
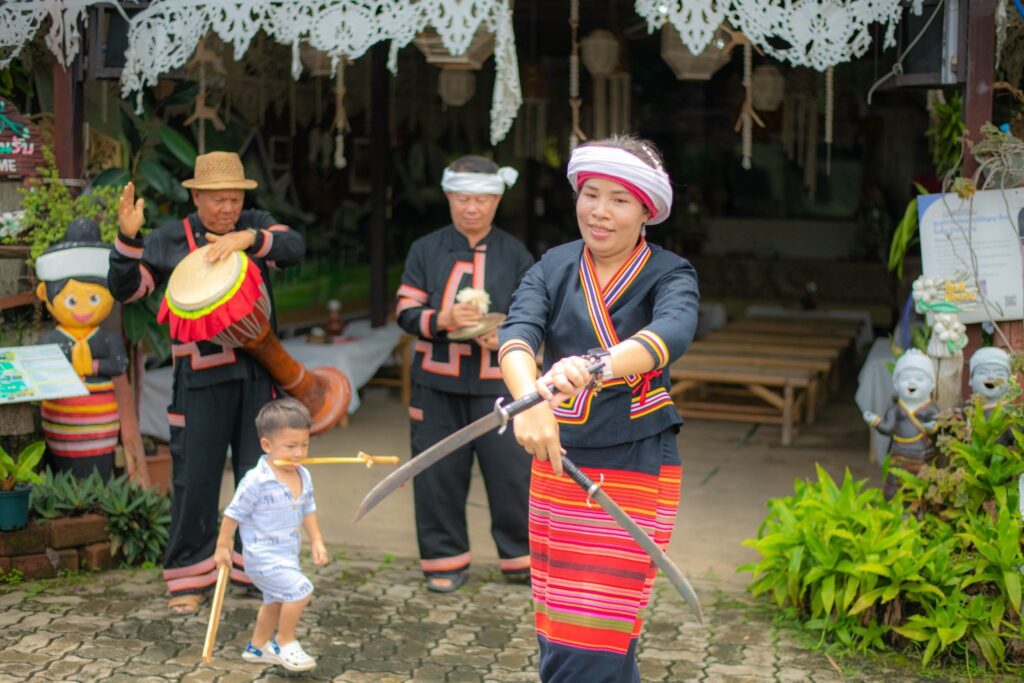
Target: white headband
[73, 261]
[479, 183]
[618, 163]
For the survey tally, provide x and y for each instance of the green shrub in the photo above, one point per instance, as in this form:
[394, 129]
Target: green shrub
[938, 566]
[50, 207]
[138, 519]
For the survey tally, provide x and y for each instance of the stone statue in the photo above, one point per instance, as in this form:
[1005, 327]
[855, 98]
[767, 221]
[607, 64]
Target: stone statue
[910, 421]
[990, 379]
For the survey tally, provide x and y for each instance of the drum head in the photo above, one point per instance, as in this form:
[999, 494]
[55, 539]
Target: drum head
[196, 283]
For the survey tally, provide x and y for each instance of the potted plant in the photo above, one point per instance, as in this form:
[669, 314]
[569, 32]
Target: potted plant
[15, 477]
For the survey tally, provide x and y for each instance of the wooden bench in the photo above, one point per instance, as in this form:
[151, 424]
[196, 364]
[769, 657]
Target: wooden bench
[823, 341]
[783, 393]
[822, 368]
[836, 328]
[832, 356]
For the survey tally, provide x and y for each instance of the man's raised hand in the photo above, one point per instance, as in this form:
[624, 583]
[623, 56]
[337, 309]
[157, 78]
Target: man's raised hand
[130, 213]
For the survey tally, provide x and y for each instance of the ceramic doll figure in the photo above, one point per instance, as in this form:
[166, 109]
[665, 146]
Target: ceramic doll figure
[990, 378]
[81, 433]
[910, 421]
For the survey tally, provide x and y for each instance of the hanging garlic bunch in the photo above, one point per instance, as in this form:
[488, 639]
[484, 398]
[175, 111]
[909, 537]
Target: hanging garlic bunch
[949, 336]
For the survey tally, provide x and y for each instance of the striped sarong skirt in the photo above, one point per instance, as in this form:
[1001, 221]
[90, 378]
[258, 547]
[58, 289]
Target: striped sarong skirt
[81, 427]
[591, 580]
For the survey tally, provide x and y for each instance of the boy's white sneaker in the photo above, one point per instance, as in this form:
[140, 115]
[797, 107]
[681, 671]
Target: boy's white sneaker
[294, 658]
[269, 654]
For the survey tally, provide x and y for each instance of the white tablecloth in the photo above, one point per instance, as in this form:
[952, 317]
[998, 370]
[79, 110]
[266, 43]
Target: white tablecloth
[875, 391]
[864, 334]
[359, 353]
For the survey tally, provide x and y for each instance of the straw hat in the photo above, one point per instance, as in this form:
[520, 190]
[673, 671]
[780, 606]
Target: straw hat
[219, 171]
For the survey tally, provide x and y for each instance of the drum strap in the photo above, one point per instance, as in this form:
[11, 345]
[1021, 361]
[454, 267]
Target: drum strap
[189, 236]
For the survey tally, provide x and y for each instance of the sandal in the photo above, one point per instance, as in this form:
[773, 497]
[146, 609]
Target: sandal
[446, 583]
[186, 604]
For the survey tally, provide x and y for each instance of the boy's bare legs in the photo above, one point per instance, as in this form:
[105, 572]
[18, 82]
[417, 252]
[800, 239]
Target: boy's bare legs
[266, 618]
[290, 613]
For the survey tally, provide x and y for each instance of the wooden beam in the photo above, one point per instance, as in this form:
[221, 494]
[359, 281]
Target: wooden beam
[68, 133]
[981, 40]
[380, 178]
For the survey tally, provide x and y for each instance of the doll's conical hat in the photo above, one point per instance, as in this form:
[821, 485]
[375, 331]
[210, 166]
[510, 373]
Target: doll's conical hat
[82, 255]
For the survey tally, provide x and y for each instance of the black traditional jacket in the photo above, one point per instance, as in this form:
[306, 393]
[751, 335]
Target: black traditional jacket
[653, 300]
[437, 267]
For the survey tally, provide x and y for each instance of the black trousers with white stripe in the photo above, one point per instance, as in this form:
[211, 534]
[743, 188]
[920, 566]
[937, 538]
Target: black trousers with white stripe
[215, 417]
[441, 490]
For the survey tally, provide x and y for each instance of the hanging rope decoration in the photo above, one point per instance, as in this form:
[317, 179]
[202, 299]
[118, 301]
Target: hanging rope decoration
[203, 111]
[576, 135]
[829, 99]
[747, 114]
[340, 116]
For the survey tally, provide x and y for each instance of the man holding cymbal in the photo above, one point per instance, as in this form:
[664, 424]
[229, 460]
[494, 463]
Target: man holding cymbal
[218, 390]
[457, 283]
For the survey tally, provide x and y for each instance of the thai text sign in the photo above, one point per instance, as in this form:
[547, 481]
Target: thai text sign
[21, 149]
[33, 373]
[979, 237]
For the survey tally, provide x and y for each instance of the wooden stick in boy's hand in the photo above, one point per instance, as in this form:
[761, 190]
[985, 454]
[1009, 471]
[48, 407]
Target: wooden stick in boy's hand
[361, 458]
[218, 601]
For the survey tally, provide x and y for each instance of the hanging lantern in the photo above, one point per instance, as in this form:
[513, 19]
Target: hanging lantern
[600, 53]
[688, 66]
[769, 87]
[456, 86]
[480, 48]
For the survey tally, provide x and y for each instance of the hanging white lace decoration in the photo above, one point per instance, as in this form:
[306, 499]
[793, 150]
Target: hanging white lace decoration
[829, 100]
[576, 134]
[696, 20]
[817, 34]
[19, 21]
[163, 35]
[340, 117]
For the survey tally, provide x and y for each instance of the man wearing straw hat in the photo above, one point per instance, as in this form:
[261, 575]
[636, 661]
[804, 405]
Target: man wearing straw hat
[217, 390]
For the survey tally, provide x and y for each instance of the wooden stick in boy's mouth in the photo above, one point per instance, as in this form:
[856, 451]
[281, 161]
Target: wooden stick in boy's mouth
[361, 458]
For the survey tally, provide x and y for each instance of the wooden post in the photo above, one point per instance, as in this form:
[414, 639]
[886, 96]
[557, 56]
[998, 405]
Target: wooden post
[380, 172]
[68, 134]
[978, 110]
[981, 40]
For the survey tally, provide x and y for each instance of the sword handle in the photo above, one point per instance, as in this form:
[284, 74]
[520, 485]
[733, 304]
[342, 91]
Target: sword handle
[532, 399]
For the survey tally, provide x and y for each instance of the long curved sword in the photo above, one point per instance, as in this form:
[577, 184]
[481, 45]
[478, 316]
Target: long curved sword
[498, 419]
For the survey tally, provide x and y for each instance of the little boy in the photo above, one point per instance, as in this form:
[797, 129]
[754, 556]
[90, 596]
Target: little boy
[270, 504]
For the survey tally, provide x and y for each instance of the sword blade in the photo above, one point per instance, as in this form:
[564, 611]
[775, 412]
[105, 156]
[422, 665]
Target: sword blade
[657, 555]
[427, 458]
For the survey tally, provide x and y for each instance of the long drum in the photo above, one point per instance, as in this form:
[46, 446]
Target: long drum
[226, 302]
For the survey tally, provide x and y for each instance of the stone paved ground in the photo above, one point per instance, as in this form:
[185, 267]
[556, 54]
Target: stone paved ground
[372, 620]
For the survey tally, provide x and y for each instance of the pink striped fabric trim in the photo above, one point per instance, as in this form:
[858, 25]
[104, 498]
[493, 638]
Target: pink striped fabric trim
[126, 249]
[425, 317]
[191, 570]
[268, 240]
[145, 284]
[445, 563]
